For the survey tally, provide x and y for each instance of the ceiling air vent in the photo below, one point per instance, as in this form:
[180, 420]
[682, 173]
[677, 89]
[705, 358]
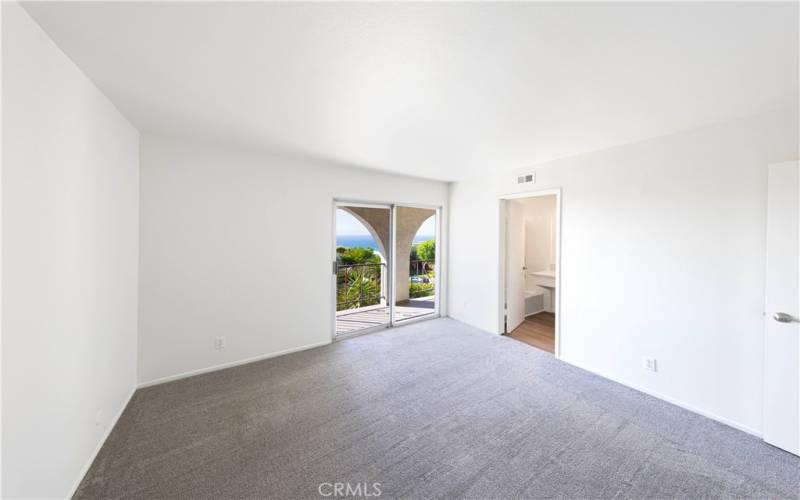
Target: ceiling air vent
[528, 178]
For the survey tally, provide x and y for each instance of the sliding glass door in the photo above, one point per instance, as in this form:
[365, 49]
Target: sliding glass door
[385, 265]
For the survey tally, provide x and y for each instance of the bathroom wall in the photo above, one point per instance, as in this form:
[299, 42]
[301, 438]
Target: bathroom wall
[540, 240]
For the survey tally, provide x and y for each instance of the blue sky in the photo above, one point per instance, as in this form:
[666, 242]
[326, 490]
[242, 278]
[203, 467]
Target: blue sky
[347, 225]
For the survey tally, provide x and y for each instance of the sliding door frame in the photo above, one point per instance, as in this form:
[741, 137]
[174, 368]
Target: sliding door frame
[391, 265]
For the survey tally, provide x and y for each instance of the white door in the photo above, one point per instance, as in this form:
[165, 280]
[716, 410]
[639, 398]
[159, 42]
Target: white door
[782, 329]
[515, 264]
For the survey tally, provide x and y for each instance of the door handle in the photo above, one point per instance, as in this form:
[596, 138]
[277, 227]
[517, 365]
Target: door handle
[785, 318]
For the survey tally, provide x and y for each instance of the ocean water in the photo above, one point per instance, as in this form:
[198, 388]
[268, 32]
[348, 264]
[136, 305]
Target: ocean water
[365, 240]
[356, 240]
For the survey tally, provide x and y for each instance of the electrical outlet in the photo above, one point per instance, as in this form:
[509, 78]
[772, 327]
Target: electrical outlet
[219, 343]
[650, 364]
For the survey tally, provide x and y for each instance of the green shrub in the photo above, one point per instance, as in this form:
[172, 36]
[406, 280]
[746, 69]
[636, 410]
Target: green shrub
[358, 286]
[426, 250]
[416, 290]
[357, 255]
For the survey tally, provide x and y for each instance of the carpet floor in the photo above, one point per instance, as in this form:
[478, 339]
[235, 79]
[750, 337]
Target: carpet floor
[432, 410]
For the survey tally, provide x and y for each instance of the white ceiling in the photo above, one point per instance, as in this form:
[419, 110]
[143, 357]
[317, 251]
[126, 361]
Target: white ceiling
[439, 90]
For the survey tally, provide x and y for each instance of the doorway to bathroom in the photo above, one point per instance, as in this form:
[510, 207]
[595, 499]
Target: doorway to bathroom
[530, 249]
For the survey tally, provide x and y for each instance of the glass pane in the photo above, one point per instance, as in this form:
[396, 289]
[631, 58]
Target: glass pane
[362, 237]
[415, 283]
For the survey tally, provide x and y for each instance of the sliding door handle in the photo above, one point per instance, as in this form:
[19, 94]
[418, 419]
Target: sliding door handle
[785, 318]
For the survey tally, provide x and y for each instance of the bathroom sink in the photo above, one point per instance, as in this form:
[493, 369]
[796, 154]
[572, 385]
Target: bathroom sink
[545, 278]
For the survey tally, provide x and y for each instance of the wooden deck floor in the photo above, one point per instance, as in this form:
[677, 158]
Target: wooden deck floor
[538, 330]
[353, 320]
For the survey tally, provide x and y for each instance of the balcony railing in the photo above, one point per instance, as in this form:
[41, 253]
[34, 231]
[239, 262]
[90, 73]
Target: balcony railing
[360, 285]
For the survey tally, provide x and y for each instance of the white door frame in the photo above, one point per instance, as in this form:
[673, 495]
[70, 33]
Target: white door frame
[502, 200]
[390, 268]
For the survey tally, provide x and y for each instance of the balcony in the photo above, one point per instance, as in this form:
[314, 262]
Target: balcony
[361, 298]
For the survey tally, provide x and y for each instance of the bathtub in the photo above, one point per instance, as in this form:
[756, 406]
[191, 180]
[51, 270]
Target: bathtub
[534, 302]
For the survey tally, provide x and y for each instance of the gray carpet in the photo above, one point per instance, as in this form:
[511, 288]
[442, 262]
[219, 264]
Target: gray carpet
[432, 410]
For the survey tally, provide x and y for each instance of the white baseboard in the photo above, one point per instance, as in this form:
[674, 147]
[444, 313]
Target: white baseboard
[230, 364]
[682, 404]
[107, 433]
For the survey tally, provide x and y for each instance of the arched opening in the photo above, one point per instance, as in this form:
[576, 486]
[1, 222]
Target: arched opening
[362, 227]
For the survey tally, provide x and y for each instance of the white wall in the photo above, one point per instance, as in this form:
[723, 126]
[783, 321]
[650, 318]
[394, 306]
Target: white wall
[663, 250]
[70, 251]
[540, 241]
[540, 225]
[1, 265]
[239, 244]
